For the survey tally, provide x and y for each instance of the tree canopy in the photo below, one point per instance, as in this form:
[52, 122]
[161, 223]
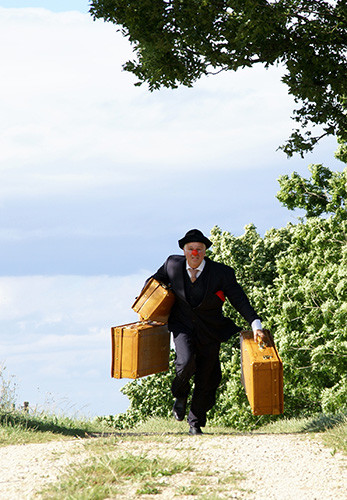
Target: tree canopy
[178, 41]
[325, 192]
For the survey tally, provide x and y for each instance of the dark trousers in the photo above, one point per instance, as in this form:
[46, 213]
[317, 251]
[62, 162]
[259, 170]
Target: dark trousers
[202, 362]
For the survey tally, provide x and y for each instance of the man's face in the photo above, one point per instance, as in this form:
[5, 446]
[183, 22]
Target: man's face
[194, 253]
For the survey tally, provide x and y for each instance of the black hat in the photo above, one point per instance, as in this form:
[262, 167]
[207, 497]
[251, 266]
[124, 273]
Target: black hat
[194, 235]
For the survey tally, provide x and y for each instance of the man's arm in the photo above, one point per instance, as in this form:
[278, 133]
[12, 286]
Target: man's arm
[160, 275]
[240, 302]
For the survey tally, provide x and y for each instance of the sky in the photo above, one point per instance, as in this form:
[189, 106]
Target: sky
[100, 178]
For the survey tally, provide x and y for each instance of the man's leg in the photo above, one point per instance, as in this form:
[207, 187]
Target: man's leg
[185, 365]
[185, 368]
[207, 379]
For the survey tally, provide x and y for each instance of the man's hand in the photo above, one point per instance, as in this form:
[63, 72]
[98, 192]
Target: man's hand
[262, 334]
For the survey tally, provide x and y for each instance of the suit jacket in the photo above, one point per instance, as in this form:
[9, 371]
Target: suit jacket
[207, 319]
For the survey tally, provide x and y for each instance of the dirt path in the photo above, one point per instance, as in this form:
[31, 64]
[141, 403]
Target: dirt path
[275, 467]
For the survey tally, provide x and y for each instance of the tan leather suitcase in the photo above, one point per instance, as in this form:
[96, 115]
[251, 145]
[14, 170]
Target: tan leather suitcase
[262, 375]
[154, 302]
[139, 349]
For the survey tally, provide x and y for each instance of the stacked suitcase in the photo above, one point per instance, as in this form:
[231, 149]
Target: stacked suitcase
[154, 302]
[143, 348]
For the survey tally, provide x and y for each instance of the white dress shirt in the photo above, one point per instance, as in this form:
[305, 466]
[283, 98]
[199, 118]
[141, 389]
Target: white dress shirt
[199, 268]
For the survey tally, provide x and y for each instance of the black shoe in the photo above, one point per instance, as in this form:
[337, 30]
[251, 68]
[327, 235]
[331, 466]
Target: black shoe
[194, 430]
[179, 409]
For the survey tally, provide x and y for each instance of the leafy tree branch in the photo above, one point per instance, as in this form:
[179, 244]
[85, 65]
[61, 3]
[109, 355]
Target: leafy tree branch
[177, 41]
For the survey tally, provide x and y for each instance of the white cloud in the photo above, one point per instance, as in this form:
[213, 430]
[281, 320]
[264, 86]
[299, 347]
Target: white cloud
[58, 298]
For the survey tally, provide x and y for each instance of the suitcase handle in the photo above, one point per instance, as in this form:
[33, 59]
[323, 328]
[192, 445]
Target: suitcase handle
[262, 345]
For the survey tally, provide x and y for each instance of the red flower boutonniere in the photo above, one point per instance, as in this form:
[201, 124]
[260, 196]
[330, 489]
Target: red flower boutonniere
[221, 295]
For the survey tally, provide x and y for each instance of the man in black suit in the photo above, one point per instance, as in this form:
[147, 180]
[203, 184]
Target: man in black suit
[198, 325]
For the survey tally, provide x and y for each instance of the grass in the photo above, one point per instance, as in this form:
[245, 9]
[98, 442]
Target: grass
[111, 473]
[318, 423]
[104, 476]
[18, 427]
[336, 438]
[331, 430]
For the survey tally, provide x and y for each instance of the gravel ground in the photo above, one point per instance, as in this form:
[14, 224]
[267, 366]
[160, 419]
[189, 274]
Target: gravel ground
[275, 467]
[25, 468]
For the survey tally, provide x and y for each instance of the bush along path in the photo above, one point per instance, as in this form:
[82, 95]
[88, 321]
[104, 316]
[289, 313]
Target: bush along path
[175, 465]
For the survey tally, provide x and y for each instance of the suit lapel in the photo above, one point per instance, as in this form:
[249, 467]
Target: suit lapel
[208, 281]
[180, 291]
